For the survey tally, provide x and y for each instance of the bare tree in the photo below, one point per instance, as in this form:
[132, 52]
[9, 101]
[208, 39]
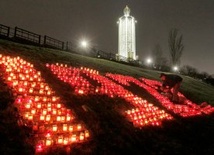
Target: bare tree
[157, 55]
[175, 46]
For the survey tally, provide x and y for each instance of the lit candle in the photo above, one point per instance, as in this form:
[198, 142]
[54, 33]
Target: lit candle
[30, 90]
[54, 128]
[44, 112]
[63, 118]
[70, 128]
[41, 91]
[60, 140]
[54, 111]
[49, 109]
[48, 118]
[65, 141]
[58, 105]
[36, 99]
[65, 127]
[68, 118]
[59, 111]
[73, 138]
[42, 117]
[30, 117]
[26, 114]
[87, 134]
[79, 127]
[54, 98]
[27, 105]
[58, 118]
[48, 142]
[39, 105]
[44, 99]
[49, 104]
[33, 111]
[49, 92]
[82, 137]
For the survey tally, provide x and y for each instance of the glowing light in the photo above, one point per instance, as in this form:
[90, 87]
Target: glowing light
[148, 60]
[175, 68]
[84, 43]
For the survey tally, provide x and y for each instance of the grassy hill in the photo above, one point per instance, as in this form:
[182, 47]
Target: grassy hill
[111, 132]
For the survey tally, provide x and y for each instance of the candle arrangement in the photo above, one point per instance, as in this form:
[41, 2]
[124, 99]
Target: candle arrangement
[186, 109]
[143, 114]
[40, 108]
[55, 125]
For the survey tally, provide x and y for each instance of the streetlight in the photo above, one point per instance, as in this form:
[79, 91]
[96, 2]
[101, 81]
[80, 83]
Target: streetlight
[84, 43]
[83, 46]
[148, 60]
[175, 68]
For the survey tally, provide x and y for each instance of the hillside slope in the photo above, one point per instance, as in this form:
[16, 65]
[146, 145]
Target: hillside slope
[105, 114]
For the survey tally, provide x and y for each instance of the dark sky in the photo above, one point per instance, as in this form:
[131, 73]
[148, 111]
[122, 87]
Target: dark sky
[96, 21]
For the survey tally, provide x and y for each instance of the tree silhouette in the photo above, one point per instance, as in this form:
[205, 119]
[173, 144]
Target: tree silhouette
[175, 47]
[159, 60]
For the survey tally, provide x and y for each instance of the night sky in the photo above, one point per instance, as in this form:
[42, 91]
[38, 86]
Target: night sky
[96, 21]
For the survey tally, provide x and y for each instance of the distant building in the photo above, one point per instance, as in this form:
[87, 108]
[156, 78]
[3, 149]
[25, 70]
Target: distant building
[126, 36]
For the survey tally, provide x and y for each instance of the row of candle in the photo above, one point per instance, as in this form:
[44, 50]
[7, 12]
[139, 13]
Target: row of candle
[182, 110]
[142, 118]
[110, 88]
[186, 109]
[61, 140]
[64, 73]
[39, 107]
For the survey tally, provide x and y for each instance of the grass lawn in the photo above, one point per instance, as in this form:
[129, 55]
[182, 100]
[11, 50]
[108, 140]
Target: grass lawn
[111, 133]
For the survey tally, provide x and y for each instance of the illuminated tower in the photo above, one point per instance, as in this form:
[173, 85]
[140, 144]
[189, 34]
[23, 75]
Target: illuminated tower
[126, 35]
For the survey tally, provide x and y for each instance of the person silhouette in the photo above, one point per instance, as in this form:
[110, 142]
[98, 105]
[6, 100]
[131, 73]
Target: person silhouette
[171, 84]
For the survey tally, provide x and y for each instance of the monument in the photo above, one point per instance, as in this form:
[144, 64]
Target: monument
[126, 36]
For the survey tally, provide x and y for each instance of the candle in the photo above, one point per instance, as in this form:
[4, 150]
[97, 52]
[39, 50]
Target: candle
[58, 118]
[44, 112]
[65, 141]
[81, 136]
[48, 142]
[39, 105]
[63, 118]
[60, 140]
[33, 111]
[65, 127]
[68, 118]
[54, 111]
[42, 117]
[26, 114]
[48, 118]
[73, 138]
[58, 105]
[79, 127]
[86, 133]
[70, 128]
[30, 90]
[54, 128]
[27, 105]
[30, 117]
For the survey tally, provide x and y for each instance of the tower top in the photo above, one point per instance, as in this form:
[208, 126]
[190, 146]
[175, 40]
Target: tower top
[126, 11]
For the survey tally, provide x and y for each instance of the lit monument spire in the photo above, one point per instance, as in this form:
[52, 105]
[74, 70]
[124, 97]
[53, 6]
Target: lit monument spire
[126, 35]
